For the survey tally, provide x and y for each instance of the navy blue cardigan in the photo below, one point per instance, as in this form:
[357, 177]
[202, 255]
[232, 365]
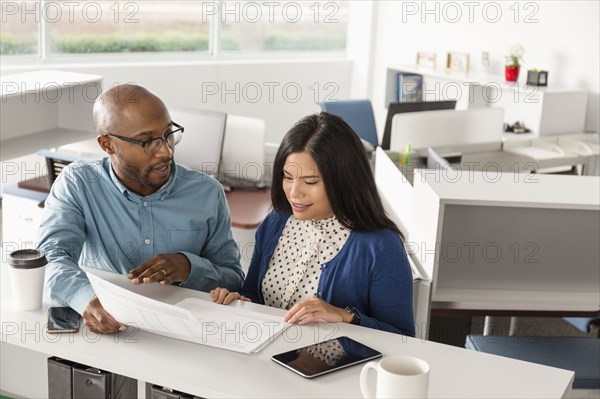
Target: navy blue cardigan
[371, 274]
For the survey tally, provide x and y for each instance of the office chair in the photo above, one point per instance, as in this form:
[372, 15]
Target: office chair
[358, 114]
[397, 108]
[570, 353]
[243, 153]
[55, 163]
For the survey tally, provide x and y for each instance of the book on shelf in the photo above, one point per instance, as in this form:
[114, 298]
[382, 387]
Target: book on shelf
[409, 88]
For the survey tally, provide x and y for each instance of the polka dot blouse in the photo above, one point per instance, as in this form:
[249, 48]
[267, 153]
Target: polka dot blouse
[295, 267]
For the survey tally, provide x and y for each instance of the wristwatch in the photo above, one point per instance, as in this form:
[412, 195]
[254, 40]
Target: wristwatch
[355, 316]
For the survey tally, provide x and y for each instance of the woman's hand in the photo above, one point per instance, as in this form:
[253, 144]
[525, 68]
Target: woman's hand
[225, 297]
[314, 309]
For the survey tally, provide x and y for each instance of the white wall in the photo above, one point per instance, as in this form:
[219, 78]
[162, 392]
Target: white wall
[280, 92]
[361, 46]
[563, 41]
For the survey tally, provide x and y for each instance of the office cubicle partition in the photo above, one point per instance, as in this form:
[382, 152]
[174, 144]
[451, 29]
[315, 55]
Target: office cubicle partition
[508, 241]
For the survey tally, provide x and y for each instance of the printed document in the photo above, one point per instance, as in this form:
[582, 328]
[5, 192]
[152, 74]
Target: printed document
[193, 319]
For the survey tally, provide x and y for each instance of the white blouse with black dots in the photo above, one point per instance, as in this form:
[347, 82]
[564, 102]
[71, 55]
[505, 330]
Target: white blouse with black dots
[295, 267]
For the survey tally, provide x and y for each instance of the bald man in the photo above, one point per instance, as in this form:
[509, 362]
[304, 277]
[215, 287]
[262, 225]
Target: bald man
[135, 212]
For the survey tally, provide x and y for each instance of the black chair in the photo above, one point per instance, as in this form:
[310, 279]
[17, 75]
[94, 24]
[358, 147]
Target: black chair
[55, 163]
[396, 108]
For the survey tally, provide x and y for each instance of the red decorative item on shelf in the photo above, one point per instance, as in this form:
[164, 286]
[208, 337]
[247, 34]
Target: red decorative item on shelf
[511, 73]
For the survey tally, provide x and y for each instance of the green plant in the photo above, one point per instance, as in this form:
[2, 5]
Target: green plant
[515, 56]
[304, 41]
[15, 45]
[120, 43]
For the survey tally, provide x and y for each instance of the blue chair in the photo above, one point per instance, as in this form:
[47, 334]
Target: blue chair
[358, 114]
[579, 354]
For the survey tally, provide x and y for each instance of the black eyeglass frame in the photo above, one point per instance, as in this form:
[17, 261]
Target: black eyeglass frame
[144, 144]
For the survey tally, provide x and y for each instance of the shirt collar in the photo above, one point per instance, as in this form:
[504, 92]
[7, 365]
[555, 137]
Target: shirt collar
[322, 225]
[162, 192]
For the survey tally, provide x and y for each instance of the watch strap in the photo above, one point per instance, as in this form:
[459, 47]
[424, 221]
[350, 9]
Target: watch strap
[355, 317]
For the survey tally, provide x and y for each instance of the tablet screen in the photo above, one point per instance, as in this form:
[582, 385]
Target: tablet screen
[324, 357]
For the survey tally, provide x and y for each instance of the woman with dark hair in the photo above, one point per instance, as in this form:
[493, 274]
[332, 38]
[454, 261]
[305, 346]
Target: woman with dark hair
[328, 251]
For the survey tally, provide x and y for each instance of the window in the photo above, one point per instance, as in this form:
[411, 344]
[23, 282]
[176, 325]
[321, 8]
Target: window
[19, 31]
[250, 26]
[130, 27]
[53, 30]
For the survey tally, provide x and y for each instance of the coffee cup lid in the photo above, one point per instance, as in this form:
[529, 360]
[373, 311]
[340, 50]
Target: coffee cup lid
[27, 259]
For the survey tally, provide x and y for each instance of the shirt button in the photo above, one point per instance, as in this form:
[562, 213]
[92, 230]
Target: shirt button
[146, 203]
[147, 241]
[320, 294]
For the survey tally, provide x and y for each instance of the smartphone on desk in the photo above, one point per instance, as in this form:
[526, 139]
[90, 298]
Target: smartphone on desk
[325, 357]
[63, 320]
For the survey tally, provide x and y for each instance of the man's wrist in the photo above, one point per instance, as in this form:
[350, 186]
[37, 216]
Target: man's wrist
[189, 264]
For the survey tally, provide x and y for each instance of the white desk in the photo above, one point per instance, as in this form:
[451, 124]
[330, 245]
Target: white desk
[534, 241]
[44, 109]
[500, 241]
[211, 372]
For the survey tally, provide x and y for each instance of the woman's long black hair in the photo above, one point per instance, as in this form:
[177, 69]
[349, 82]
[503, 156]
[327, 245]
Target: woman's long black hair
[344, 167]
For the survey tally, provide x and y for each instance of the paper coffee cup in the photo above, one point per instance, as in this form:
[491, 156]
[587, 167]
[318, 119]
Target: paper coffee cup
[26, 274]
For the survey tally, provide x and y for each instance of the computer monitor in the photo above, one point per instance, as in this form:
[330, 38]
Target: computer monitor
[202, 141]
[396, 108]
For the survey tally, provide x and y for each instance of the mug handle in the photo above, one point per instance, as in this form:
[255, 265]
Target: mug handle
[366, 390]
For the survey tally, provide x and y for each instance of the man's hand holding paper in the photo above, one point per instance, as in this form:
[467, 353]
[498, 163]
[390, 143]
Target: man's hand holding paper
[97, 319]
[164, 268]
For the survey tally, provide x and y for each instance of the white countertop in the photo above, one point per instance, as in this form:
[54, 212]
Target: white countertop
[513, 189]
[211, 372]
[31, 82]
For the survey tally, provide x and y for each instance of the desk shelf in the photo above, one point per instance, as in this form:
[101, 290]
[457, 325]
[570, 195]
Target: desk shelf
[45, 105]
[43, 109]
[515, 301]
[23, 145]
[545, 110]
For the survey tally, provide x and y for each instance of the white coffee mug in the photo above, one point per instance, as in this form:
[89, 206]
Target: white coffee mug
[397, 377]
[26, 273]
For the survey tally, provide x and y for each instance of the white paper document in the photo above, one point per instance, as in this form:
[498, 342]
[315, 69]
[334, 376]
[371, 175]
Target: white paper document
[193, 319]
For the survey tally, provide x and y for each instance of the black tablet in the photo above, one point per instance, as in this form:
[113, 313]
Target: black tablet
[325, 357]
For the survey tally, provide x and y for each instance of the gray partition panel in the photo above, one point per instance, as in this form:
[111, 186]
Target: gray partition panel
[517, 248]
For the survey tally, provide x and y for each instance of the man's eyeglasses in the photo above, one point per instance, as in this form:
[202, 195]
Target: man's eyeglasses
[170, 137]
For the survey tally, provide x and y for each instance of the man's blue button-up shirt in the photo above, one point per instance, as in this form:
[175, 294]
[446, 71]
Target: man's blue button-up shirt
[91, 218]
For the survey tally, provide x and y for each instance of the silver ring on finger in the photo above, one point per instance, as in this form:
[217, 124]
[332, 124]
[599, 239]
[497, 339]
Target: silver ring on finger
[164, 274]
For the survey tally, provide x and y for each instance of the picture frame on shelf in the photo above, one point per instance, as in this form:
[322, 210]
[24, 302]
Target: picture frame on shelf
[426, 59]
[535, 77]
[457, 62]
